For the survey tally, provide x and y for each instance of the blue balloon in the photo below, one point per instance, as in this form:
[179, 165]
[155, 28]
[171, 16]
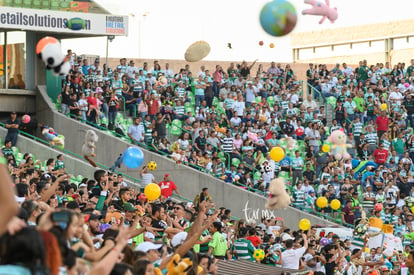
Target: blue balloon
[133, 157]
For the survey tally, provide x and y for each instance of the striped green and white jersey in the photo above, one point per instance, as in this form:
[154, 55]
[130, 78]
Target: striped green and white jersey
[180, 92]
[299, 197]
[371, 138]
[244, 249]
[179, 110]
[357, 242]
[367, 204]
[357, 128]
[228, 103]
[387, 144]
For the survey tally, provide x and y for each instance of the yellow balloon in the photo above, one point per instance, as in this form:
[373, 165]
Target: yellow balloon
[277, 154]
[304, 224]
[326, 148]
[322, 202]
[335, 204]
[152, 191]
[384, 106]
[412, 209]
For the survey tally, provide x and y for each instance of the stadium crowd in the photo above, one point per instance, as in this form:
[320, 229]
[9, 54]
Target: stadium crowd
[101, 226]
[230, 119]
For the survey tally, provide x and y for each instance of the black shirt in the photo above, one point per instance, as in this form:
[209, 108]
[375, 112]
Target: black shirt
[286, 128]
[13, 130]
[201, 143]
[409, 105]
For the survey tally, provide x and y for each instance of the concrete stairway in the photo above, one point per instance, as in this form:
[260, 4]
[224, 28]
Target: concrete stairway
[244, 204]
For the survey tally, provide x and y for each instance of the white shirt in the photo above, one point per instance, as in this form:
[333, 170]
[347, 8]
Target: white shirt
[239, 107]
[131, 71]
[290, 257]
[347, 71]
[169, 73]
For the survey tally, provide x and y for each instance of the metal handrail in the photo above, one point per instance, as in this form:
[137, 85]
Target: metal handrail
[134, 180]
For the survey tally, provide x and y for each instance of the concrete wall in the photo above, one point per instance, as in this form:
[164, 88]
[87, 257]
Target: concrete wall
[189, 181]
[18, 101]
[43, 152]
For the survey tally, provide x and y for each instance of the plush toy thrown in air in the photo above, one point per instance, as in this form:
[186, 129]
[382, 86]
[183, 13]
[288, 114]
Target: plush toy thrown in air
[278, 197]
[321, 9]
[53, 138]
[178, 266]
[252, 136]
[88, 148]
[48, 49]
[339, 145]
[362, 226]
[265, 167]
[290, 143]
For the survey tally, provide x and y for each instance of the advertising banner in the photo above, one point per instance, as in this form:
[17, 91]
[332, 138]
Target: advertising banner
[63, 22]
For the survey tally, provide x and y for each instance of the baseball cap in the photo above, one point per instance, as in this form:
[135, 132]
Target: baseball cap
[335, 236]
[286, 237]
[82, 185]
[179, 239]
[147, 246]
[149, 235]
[385, 269]
[129, 207]
[311, 192]
[166, 175]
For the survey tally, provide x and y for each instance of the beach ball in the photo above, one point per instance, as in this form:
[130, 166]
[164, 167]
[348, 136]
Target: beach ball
[304, 224]
[152, 165]
[271, 45]
[152, 191]
[277, 154]
[326, 148]
[76, 24]
[26, 119]
[412, 209]
[378, 207]
[324, 241]
[299, 132]
[384, 106]
[335, 204]
[278, 17]
[133, 157]
[322, 202]
[406, 85]
[258, 254]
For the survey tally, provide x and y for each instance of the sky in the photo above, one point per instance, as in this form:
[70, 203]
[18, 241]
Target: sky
[163, 29]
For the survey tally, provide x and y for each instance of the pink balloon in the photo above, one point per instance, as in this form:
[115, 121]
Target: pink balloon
[26, 119]
[406, 85]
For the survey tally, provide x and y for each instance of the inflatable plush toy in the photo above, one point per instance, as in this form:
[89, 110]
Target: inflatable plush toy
[362, 166]
[321, 9]
[409, 202]
[265, 167]
[178, 266]
[290, 143]
[53, 138]
[339, 145]
[88, 148]
[49, 50]
[362, 226]
[252, 136]
[278, 197]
